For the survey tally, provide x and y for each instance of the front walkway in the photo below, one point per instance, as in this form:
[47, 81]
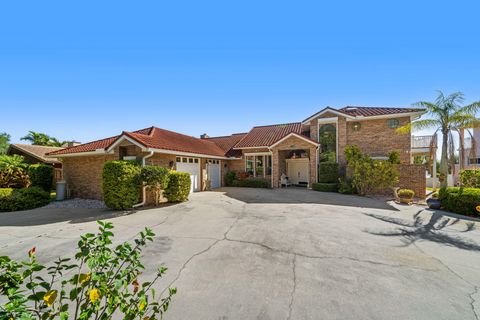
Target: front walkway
[286, 254]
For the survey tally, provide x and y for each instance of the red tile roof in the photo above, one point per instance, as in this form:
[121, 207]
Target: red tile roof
[228, 142]
[38, 152]
[375, 111]
[155, 138]
[265, 136]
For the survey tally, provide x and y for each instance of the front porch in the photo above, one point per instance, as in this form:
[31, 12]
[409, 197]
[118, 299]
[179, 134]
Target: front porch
[295, 157]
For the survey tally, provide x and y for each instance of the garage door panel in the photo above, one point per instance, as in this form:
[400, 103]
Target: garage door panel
[192, 167]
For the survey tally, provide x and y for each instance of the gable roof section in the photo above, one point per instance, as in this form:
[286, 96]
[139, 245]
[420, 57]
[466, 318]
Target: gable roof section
[38, 152]
[265, 136]
[151, 138]
[226, 143]
[300, 136]
[354, 112]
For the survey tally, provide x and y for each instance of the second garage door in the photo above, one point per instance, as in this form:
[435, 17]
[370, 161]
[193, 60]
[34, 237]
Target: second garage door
[213, 172]
[192, 167]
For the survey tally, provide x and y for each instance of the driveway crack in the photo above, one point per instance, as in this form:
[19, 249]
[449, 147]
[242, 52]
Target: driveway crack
[294, 287]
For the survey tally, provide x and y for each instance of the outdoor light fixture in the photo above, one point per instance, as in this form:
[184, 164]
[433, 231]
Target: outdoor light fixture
[356, 126]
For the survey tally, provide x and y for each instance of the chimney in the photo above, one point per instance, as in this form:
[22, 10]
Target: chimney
[69, 144]
[204, 136]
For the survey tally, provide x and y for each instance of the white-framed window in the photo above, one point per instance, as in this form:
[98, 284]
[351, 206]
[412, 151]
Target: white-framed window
[187, 160]
[258, 165]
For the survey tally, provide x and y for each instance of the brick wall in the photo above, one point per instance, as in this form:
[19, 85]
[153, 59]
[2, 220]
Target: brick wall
[376, 139]
[84, 175]
[412, 176]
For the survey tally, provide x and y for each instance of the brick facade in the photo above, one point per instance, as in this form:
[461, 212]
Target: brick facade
[412, 176]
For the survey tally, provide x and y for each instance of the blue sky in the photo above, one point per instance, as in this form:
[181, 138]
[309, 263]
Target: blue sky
[87, 70]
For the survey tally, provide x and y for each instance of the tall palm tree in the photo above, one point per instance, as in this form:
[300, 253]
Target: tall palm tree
[446, 115]
[42, 139]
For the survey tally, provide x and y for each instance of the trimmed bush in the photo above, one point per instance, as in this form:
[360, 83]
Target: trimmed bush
[406, 193]
[460, 200]
[41, 175]
[23, 199]
[251, 183]
[470, 178]
[345, 186]
[229, 178]
[328, 172]
[121, 184]
[178, 187]
[325, 187]
[155, 179]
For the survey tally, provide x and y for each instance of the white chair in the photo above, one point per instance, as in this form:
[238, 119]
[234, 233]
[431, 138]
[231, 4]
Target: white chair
[284, 181]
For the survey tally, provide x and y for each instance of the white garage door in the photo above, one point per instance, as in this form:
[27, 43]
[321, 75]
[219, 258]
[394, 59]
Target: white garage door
[191, 166]
[213, 173]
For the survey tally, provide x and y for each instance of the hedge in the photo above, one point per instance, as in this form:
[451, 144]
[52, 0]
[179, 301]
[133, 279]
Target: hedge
[23, 199]
[178, 186]
[121, 184]
[328, 172]
[470, 178]
[41, 175]
[460, 200]
[229, 178]
[325, 187]
[251, 183]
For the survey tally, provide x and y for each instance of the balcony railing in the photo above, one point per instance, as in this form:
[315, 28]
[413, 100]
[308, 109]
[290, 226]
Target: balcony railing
[422, 142]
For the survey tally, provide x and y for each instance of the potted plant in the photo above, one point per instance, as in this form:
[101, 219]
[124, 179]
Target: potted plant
[433, 202]
[405, 195]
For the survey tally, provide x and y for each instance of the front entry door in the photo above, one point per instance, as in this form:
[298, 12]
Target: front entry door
[298, 171]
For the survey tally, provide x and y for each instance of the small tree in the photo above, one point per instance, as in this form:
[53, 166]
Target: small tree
[103, 281]
[4, 142]
[155, 179]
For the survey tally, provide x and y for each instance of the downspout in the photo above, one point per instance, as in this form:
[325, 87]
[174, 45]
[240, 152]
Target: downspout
[144, 188]
[271, 176]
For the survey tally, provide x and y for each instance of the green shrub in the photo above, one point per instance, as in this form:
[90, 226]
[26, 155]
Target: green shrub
[470, 178]
[103, 280]
[394, 157]
[155, 179]
[251, 183]
[369, 176]
[325, 187]
[178, 186]
[229, 178]
[121, 184]
[41, 175]
[406, 193]
[345, 186]
[328, 172]
[329, 156]
[23, 199]
[460, 200]
[13, 172]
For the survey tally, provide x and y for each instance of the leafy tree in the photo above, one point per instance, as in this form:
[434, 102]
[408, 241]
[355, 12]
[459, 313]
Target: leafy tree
[447, 114]
[42, 139]
[4, 142]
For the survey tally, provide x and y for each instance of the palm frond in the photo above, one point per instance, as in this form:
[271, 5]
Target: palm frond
[472, 108]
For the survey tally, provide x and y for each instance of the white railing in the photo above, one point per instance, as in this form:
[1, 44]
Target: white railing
[422, 141]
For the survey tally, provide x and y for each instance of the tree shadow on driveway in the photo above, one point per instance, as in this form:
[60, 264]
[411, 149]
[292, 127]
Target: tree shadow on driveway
[432, 229]
[302, 196]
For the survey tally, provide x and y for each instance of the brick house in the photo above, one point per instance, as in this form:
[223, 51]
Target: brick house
[265, 152]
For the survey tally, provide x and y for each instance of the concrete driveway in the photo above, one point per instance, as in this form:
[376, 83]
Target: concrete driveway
[286, 254]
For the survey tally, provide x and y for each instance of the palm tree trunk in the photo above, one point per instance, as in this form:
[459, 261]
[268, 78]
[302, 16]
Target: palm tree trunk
[444, 160]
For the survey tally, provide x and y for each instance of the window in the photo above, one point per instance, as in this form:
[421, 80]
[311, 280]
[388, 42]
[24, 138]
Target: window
[187, 160]
[259, 166]
[393, 123]
[268, 165]
[249, 165]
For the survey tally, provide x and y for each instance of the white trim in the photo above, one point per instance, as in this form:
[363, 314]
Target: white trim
[264, 147]
[295, 135]
[258, 153]
[189, 154]
[325, 110]
[387, 116]
[328, 120]
[97, 152]
[123, 138]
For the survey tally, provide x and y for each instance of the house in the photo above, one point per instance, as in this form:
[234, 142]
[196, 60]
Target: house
[33, 154]
[265, 152]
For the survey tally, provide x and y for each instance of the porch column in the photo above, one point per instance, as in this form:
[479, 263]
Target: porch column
[275, 169]
[312, 169]
[434, 169]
